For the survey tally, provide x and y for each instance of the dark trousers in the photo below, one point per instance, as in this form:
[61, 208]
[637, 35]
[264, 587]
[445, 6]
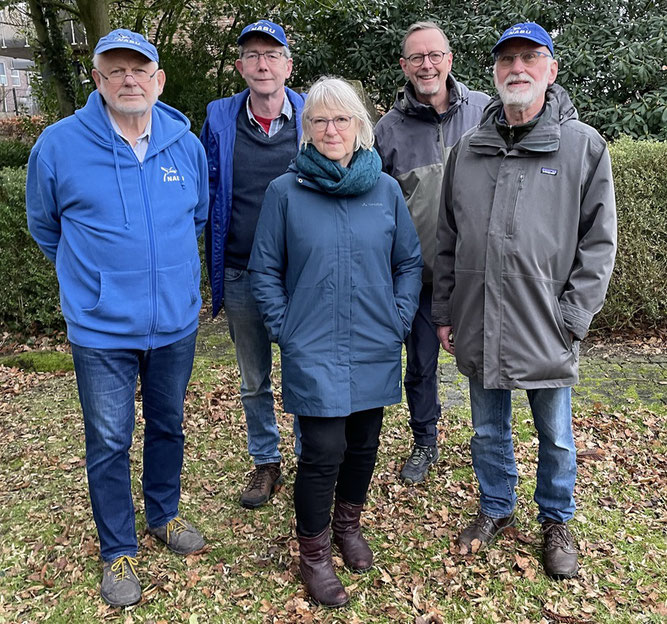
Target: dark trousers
[336, 454]
[421, 373]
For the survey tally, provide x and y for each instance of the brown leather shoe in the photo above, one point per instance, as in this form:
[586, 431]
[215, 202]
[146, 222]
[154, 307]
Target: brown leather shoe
[261, 485]
[317, 570]
[485, 529]
[347, 536]
[559, 554]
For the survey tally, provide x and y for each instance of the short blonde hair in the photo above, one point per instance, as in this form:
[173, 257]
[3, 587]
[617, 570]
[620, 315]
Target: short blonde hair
[336, 93]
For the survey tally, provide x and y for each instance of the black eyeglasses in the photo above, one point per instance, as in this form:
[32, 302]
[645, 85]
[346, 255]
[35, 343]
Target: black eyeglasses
[529, 58]
[117, 76]
[417, 60]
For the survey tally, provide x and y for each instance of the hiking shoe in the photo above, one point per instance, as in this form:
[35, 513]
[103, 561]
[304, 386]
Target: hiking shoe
[484, 529]
[120, 585]
[417, 465]
[261, 486]
[179, 535]
[559, 554]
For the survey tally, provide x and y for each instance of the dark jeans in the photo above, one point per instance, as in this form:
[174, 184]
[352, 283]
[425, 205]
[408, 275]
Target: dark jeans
[107, 380]
[421, 373]
[336, 453]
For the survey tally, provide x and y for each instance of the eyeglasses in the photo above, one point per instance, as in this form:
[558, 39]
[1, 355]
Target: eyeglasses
[117, 76]
[272, 56]
[417, 60]
[320, 124]
[528, 58]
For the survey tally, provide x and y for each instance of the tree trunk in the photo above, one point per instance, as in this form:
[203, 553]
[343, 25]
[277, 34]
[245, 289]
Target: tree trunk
[52, 57]
[94, 16]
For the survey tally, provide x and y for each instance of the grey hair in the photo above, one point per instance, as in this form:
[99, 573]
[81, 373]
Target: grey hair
[423, 26]
[336, 93]
[284, 49]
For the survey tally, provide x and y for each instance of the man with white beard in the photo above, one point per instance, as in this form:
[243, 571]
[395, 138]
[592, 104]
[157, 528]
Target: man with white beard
[525, 248]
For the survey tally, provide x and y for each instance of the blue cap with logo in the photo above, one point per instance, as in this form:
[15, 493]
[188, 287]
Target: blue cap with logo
[264, 27]
[526, 30]
[123, 38]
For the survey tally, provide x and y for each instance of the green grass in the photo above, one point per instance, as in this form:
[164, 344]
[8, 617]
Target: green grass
[49, 565]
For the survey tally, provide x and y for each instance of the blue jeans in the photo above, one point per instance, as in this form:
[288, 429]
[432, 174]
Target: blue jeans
[493, 451]
[253, 354]
[107, 381]
[421, 373]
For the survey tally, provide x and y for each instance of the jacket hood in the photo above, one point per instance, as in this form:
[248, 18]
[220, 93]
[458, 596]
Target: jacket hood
[546, 134]
[167, 124]
[407, 103]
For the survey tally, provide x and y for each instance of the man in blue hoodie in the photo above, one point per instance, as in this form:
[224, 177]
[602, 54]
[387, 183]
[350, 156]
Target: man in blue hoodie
[250, 139]
[116, 196]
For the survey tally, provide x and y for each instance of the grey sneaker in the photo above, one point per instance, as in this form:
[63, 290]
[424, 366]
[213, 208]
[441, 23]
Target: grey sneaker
[120, 585]
[417, 465]
[179, 535]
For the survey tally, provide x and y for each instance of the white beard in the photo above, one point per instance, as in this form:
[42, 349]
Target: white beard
[524, 99]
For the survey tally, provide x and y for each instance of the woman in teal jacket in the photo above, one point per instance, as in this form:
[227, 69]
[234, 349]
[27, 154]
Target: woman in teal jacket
[336, 271]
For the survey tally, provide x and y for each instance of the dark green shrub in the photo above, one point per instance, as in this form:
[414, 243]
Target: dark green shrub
[13, 153]
[637, 294]
[28, 284]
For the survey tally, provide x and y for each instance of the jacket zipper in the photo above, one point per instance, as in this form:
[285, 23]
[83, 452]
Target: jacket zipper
[152, 260]
[510, 222]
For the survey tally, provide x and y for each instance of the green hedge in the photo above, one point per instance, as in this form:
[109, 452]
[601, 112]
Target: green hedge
[13, 153]
[28, 285]
[637, 294]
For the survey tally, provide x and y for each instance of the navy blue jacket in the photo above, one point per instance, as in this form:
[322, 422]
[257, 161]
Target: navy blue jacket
[337, 281]
[218, 136]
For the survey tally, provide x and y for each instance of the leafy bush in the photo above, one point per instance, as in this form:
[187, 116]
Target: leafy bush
[637, 294]
[13, 153]
[28, 285]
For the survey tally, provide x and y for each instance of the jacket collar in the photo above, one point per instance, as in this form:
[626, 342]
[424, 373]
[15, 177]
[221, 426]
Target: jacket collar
[408, 104]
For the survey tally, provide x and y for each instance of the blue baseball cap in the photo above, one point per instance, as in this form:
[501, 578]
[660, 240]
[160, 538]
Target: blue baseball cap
[264, 27]
[526, 30]
[123, 38]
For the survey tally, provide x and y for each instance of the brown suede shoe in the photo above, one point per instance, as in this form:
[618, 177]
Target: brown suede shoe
[347, 536]
[317, 570]
[484, 529]
[261, 485]
[559, 554]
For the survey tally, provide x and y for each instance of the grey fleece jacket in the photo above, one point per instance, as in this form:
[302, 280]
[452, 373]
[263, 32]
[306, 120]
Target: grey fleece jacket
[414, 142]
[525, 247]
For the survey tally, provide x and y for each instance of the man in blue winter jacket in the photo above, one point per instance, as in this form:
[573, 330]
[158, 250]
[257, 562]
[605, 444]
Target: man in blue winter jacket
[250, 139]
[116, 197]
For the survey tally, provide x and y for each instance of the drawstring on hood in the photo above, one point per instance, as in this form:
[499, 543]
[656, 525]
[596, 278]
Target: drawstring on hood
[114, 147]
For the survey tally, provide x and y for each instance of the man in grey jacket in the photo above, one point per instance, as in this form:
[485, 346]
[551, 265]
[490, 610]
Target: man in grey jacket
[414, 139]
[525, 249]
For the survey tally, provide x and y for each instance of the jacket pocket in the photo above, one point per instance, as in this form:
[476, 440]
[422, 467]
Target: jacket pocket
[564, 332]
[178, 296]
[123, 305]
[511, 217]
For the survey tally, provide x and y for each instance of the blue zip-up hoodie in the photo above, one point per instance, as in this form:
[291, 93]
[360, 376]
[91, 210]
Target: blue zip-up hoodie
[218, 136]
[122, 234]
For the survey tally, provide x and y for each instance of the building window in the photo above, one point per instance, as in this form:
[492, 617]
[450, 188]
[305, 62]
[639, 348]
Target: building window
[16, 78]
[3, 74]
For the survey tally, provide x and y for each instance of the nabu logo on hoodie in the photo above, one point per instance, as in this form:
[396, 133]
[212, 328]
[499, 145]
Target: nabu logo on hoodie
[170, 174]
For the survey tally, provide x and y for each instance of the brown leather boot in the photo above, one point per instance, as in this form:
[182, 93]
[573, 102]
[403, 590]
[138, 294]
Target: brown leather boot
[347, 536]
[317, 570]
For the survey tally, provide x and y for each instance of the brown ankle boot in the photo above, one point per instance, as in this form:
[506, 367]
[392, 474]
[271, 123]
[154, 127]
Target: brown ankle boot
[347, 536]
[317, 570]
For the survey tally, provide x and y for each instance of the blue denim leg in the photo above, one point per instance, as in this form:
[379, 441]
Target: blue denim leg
[492, 449]
[253, 354]
[107, 379]
[165, 374]
[421, 373]
[557, 457]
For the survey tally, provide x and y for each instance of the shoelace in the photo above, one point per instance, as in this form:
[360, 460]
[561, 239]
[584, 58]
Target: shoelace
[557, 535]
[176, 525]
[119, 567]
[259, 477]
[420, 453]
[483, 522]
